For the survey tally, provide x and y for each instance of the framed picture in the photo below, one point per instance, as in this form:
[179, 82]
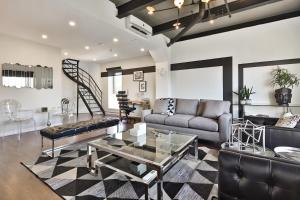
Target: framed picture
[138, 76]
[142, 86]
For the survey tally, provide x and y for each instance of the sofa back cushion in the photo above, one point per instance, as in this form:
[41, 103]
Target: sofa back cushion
[213, 108]
[161, 106]
[186, 106]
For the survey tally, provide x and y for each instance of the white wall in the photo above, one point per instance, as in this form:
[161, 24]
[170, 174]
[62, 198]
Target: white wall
[127, 80]
[29, 53]
[272, 41]
[189, 83]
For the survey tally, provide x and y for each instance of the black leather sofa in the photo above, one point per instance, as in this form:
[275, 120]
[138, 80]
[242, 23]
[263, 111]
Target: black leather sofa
[245, 176]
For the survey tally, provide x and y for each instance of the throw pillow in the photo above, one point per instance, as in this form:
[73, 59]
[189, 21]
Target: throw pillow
[288, 122]
[213, 109]
[171, 105]
[161, 106]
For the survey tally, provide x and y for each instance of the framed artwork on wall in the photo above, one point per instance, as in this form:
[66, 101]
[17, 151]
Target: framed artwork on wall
[142, 86]
[138, 76]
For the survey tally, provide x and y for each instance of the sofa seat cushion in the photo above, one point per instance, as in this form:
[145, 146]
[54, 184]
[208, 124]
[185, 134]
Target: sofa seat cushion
[203, 123]
[179, 120]
[155, 118]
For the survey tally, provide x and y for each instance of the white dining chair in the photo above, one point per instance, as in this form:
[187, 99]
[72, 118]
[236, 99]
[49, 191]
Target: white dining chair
[11, 109]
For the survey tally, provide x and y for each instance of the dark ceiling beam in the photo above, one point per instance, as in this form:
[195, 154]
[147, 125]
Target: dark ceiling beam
[218, 11]
[198, 18]
[243, 25]
[133, 6]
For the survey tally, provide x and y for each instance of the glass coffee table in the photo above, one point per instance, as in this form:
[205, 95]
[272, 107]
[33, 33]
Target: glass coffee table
[156, 150]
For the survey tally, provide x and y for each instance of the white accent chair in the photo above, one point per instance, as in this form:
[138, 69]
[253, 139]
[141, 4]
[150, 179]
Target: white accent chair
[11, 109]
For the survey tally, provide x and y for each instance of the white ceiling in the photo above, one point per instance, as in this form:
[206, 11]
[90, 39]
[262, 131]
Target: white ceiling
[96, 27]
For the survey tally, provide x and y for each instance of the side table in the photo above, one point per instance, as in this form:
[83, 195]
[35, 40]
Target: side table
[290, 153]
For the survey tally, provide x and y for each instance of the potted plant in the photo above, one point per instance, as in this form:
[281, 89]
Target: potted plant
[285, 80]
[248, 93]
[244, 95]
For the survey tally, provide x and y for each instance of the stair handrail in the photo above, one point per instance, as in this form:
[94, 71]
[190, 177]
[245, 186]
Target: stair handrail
[90, 80]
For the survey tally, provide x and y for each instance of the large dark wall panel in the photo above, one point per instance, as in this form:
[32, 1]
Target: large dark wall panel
[225, 62]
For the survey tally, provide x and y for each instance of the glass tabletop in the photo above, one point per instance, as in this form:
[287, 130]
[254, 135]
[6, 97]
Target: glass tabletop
[290, 153]
[155, 146]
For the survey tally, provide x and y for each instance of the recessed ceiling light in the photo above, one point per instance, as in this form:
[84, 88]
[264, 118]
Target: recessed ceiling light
[94, 59]
[44, 36]
[116, 40]
[72, 23]
[87, 47]
[211, 21]
[66, 53]
[142, 49]
[115, 55]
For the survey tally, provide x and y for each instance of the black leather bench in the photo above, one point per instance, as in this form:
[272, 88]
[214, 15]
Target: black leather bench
[72, 129]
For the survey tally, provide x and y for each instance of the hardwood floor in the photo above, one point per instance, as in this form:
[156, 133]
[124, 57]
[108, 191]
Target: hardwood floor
[16, 182]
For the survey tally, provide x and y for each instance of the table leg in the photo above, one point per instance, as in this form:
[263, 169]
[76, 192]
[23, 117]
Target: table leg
[196, 148]
[160, 184]
[53, 148]
[89, 157]
[146, 192]
[42, 142]
[264, 139]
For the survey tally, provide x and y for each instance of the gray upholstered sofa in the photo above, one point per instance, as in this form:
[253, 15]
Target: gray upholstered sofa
[208, 119]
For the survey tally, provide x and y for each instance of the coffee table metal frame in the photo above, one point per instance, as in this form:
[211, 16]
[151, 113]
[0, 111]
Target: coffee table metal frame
[160, 168]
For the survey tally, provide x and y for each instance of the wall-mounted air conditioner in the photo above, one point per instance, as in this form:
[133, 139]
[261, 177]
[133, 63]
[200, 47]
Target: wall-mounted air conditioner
[138, 26]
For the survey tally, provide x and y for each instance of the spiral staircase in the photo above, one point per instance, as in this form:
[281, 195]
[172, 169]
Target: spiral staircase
[87, 88]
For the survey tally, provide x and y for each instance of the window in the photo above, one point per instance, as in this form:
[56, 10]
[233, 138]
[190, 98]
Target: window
[114, 85]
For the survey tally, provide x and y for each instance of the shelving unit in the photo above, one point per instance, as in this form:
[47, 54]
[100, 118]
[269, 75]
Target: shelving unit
[242, 107]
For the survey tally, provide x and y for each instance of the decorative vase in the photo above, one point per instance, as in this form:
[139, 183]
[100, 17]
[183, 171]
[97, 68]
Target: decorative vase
[248, 101]
[283, 96]
[243, 101]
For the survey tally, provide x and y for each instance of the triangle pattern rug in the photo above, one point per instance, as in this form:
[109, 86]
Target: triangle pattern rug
[68, 176]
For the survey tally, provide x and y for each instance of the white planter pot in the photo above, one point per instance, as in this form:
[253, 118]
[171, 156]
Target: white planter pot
[248, 101]
[242, 102]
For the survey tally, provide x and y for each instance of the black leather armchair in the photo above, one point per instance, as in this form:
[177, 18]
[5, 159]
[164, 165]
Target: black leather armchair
[249, 177]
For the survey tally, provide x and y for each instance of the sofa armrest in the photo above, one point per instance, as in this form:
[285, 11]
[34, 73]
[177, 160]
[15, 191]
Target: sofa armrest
[225, 122]
[145, 113]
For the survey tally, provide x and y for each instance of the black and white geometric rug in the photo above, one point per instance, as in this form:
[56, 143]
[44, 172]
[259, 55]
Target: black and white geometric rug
[68, 177]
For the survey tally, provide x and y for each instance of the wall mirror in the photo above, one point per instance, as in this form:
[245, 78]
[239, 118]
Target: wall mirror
[24, 76]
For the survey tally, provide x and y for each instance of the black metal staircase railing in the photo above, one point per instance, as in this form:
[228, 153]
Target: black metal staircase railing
[87, 88]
